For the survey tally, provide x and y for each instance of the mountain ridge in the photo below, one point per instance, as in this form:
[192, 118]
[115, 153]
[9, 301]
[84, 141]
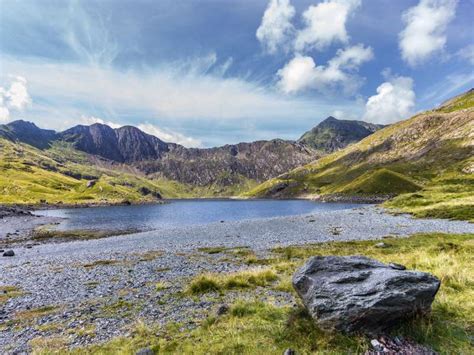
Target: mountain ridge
[225, 165]
[426, 160]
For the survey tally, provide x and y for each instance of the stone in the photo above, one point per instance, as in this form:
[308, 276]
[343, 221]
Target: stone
[223, 309]
[9, 253]
[91, 183]
[381, 245]
[145, 351]
[289, 351]
[358, 294]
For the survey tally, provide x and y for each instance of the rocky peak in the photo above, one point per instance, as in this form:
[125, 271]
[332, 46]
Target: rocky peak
[332, 134]
[27, 132]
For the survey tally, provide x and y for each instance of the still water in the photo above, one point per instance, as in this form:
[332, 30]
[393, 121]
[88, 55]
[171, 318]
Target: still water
[183, 212]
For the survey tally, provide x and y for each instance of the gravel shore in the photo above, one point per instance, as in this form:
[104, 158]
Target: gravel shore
[79, 284]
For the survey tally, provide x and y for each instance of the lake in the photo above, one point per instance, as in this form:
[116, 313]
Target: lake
[183, 212]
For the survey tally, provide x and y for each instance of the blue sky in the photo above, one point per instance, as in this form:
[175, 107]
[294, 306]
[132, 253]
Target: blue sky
[211, 72]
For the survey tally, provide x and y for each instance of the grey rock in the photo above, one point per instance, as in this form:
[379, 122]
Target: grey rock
[9, 253]
[91, 183]
[358, 294]
[289, 351]
[145, 351]
[223, 309]
[381, 245]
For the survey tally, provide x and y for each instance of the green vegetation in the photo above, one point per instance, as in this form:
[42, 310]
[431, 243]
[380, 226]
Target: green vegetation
[43, 233]
[7, 292]
[381, 181]
[243, 279]
[160, 286]
[252, 325]
[460, 102]
[63, 175]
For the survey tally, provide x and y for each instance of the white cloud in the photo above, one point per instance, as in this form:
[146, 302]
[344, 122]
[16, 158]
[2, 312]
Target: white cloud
[301, 73]
[90, 120]
[467, 53]
[170, 136]
[15, 98]
[325, 23]
[425, 29]
[394, 101]
[276, 28]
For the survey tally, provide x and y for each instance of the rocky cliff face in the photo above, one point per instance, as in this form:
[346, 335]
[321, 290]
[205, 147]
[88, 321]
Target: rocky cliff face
[333, 134]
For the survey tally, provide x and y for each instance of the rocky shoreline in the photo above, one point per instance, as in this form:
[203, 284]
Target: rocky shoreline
[92, 290]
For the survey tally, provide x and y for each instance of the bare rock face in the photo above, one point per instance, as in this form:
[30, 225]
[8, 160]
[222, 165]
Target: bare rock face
[358, 294]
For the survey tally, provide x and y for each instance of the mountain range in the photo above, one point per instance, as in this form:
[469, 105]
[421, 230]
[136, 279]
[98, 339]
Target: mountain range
[224, 166]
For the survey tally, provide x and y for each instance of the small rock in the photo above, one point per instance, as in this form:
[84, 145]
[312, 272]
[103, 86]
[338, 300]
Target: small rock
[145, 351]
[381, 245]
[223, 309]
[396, 266]
[9, 253]
[289, 351]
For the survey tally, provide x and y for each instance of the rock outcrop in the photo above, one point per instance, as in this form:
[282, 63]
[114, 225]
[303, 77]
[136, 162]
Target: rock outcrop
[333, 134]
[358, 294]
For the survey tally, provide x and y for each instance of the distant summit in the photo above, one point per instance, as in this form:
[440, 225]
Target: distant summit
[333, 134]
[27, 132]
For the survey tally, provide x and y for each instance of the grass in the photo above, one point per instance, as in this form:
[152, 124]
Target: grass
[8, 292]
[381, 181]
[219, 282]
[34, 313]
[100, 263]
[160, 286]
[252, 325]
[44, 233]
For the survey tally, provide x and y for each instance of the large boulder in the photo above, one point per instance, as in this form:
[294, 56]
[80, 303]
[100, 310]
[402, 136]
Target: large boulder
[358, 294]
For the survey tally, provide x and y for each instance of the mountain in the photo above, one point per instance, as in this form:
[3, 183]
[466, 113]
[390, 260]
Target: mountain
[96, 151]
[333, 134]
[125, 144]
[427, 160]
[27, 132]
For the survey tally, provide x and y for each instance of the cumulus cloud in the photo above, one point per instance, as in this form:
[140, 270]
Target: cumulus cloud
[325, 23]
[301, 73]
[425, 29]
[90, 120]
[276, 28]
[394, 101]
[170, 136]
[15, 98]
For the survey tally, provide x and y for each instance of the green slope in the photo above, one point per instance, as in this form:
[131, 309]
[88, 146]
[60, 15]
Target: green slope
[430, 152]
[61, 174]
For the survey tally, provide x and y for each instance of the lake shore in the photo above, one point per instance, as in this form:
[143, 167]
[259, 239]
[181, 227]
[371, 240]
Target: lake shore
[104, 283]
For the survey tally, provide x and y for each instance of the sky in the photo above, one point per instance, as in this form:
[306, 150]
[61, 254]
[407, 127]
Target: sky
[205, 73]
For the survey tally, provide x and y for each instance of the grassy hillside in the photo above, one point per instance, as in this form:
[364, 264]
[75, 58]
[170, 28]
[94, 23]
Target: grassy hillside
[61, 175]
[427, 160]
